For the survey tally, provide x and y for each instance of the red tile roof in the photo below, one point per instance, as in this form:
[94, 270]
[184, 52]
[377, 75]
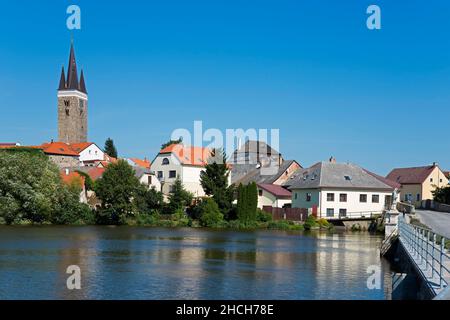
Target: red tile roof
[447, 174]
[57, 148]
[276, 190]
[141, 163]
[7, 145]
[416, 175]
[79, 147]
[390, 183]
[195, 156]
[71, 177]
[94, 172]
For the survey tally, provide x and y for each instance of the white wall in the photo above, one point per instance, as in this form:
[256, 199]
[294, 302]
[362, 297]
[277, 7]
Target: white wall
[191, 180]
[92, 153]
[268, 199]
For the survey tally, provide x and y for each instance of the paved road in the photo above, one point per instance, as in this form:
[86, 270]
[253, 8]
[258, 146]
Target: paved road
[439, 222]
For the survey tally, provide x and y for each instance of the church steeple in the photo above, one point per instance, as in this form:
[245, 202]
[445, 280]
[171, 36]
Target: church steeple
[62, 80]
[72, 74]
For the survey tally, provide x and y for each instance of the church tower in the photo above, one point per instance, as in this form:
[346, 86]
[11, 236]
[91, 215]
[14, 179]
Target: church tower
[72, 104]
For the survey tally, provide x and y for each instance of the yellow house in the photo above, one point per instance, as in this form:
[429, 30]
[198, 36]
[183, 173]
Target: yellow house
[418, 183]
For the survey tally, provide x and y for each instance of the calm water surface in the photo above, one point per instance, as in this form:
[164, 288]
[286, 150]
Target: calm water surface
[158, 263]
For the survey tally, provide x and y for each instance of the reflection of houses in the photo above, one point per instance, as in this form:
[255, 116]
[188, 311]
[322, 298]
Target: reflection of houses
[418, 183]
[336, 190]
[184, 162]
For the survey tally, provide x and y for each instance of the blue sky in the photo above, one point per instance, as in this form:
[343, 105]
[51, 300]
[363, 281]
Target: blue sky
[380, 99]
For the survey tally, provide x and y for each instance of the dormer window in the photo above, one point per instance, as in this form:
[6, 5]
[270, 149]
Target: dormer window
[165, 161]
[348, 178]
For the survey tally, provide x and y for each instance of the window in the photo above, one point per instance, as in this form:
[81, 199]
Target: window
[348, 178]
[66, 103]
[330, 197]
[440, 180]
[295, 196]
[363, 198]
[149, 180]
[172, 174]
[160, 175]
[375, 198]
[431, 179]
[260, 192]
[308, 197]
[165, 161]
[342, 212]
[343, 197]
[330, 212]
[418, 197]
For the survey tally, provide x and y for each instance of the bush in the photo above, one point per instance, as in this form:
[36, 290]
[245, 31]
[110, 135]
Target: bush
[311, 223]
[284, 225]
[210, 213]
[181, 218]
[263, 216]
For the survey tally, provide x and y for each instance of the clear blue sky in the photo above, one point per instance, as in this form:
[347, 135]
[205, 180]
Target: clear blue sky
[380, 99]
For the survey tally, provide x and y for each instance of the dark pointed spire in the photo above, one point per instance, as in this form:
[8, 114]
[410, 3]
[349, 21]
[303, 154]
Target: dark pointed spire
[82, 84]
[72, 74]
[62, 81]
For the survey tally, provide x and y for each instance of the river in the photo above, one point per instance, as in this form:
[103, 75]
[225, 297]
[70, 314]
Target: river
[187, 263]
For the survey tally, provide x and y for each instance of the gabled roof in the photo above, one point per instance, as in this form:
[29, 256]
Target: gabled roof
[252, 146]
[188, 155]
[141, 163]
[255, 175]
[79, 147]
[276, 190]
[93, 172]
[447, 174]
[414, 175]
[335, 175]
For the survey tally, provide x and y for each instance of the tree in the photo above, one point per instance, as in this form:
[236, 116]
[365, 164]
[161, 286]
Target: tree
[210, 213]
[110, 148]
[247, 202]
[116, 189]
[442, 195]
[170, 142]
[214, 181]
[179, 198]
[148, 200]
[31, 190]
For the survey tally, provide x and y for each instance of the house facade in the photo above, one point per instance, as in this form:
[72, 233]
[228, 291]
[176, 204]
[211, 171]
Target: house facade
[418, 183]
[339, 190]
[184, 162]
[89, 153]
[273, 195]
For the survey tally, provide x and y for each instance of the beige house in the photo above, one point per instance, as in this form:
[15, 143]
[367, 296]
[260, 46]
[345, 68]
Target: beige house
[273, 195]
[418, 183]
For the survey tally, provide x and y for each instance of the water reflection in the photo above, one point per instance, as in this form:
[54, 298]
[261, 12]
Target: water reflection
[154, 263]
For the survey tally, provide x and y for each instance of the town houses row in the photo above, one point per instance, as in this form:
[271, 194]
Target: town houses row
[327, 188]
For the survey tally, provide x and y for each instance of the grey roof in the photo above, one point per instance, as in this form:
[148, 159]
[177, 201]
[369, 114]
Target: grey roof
[252, 146]
[140, 171]
[334, 175]
[255, 174]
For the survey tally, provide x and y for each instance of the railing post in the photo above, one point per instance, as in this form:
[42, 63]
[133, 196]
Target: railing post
[432, 260]
[441, 283]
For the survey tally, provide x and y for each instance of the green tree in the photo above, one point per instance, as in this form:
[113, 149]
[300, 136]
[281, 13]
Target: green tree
[170, 142]
[116, 189]
[179, 198]
[88, 182]
[247, 202]
[31, 190]
[210, 213]
[148, 200]
[214, 181]
[110, 148]
[442, 195]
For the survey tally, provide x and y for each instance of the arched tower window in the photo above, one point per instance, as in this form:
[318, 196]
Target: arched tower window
[165, 161]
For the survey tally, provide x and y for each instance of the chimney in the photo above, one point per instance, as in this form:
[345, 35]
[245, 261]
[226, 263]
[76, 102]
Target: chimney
[435, 164]
[332, 159]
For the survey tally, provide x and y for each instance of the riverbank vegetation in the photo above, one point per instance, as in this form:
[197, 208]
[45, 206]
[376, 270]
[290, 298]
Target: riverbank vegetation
[32, 192]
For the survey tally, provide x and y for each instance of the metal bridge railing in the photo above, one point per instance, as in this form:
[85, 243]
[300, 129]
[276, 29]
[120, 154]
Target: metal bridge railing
[429, 249]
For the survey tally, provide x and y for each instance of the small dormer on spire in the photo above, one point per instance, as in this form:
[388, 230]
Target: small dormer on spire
[82, 87]
[62, 80]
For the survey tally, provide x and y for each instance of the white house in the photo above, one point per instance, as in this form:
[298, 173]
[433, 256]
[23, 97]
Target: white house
[185, 162]
[90, 154]
[147, 177]
[273, 195]
[337, 190]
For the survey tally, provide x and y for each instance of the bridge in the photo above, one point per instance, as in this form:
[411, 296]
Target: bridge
[426, 252]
